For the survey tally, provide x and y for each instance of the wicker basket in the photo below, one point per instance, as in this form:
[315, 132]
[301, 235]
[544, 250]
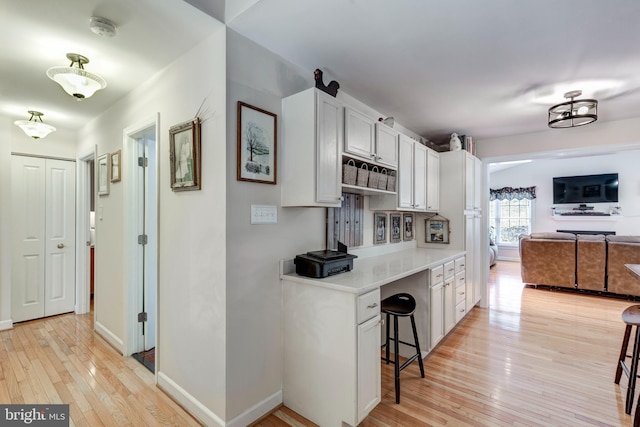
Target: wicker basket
[382, 179]
[391, 181]
[349, 172]
[363, 175]
[374, 177]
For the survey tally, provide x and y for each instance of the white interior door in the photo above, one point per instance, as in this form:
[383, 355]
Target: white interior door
[60, 237]
[43, 223]
[28, 237]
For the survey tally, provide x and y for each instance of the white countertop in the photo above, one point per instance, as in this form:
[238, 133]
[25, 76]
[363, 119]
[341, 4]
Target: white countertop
[369, 273]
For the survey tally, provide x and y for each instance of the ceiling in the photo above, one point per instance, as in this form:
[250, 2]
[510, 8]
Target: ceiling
[437, 66]
[36, 35]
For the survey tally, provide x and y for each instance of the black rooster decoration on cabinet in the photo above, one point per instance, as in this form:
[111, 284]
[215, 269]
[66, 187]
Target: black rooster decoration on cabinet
[331, 88]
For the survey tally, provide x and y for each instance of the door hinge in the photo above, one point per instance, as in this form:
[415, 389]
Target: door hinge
[142, 239]
[142, 162]
[142, 317]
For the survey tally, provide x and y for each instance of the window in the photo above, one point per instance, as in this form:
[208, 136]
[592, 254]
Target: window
[509, 219]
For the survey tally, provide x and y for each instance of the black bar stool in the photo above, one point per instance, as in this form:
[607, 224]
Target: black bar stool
[630, 316]
[400, 305]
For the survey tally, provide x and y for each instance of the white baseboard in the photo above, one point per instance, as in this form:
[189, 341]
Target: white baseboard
[206, 416]
[109, 336]
[257, 411]
[512, 259]
[6, 324]
[190, 403]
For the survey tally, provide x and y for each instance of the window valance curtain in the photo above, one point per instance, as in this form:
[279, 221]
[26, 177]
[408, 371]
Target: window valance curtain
[511, 193]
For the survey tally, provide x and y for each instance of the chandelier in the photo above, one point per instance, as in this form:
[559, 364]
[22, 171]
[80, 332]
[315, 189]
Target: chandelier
[35, 127]
[75, 80]
[574, 112]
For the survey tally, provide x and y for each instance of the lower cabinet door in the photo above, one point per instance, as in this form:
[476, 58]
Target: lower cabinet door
[437, 314]
[368, 366]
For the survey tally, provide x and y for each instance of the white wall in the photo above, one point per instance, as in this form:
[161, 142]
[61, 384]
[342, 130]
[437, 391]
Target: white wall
[254, 356]
[191, 233]
[572, 150]
[540, 173]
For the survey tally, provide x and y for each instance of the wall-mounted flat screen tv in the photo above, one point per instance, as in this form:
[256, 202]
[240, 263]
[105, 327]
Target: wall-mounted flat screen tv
[601, 188]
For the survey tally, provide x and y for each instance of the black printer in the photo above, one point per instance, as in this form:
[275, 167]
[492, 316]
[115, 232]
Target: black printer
[318, 264]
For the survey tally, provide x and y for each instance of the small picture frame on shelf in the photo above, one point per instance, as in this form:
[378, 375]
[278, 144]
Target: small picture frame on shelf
[436, 229]
[407, 222]
[379, 228]
[396, 227]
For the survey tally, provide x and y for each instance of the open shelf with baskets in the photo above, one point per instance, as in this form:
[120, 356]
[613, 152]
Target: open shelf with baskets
[367, 178]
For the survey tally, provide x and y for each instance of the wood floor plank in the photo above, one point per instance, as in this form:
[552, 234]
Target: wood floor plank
[61, 360]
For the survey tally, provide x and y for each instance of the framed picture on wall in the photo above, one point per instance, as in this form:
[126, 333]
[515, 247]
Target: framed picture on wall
[379, 228]
[184, 155]
[407, 222]
[257, 148]
[102, 173]
[396, 227]
[437, 229]
[115, 166]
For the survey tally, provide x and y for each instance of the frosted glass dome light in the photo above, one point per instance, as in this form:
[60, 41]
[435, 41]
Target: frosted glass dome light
[35, 127]
[75, 80]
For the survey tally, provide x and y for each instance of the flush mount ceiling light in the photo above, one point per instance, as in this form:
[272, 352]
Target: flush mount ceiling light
[574, 112]
[34, 127]
[75, 80]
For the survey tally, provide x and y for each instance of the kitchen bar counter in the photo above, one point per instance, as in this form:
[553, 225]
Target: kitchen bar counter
[371, 272]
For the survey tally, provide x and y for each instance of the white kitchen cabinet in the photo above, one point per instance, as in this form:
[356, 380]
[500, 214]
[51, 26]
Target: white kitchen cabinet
[331, 352]
[359, 134]
[412, 175]
[460, 296]
[448, 305]
[436, 304]
[461, 204]
[386, 151]
[433, 180]
[369, 140]
[437, 315]
[311, 146]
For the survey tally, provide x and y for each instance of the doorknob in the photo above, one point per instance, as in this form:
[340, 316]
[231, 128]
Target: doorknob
[60, 245]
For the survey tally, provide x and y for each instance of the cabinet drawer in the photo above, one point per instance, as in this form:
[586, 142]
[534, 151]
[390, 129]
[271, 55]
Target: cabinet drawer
[460, 293]
[460, 262]
[437, 275]
[449, 269]
[368, 306]
[461, 279]
[460, 311]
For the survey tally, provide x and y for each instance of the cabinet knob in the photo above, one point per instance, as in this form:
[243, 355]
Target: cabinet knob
[374, 305]
[60, 245]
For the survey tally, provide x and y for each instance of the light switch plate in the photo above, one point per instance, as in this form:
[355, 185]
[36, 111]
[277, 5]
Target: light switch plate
[264, 214]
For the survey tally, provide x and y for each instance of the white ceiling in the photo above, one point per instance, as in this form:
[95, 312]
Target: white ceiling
[36, 35]
[437, 66]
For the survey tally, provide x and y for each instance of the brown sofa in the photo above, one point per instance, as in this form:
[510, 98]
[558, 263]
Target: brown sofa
[622, 250]
[548, 259]
[587, 262]
[591, 262]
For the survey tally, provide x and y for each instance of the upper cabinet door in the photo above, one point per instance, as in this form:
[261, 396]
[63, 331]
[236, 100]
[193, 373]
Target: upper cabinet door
[420, 177]
[359, 134]
[386, 145]
[328, 149]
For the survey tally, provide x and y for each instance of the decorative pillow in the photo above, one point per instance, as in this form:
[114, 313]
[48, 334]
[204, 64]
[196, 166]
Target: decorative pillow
[628, 239]
[554, 235]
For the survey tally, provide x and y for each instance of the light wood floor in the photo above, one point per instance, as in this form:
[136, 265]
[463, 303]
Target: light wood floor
[61, 360]
[535, 358]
